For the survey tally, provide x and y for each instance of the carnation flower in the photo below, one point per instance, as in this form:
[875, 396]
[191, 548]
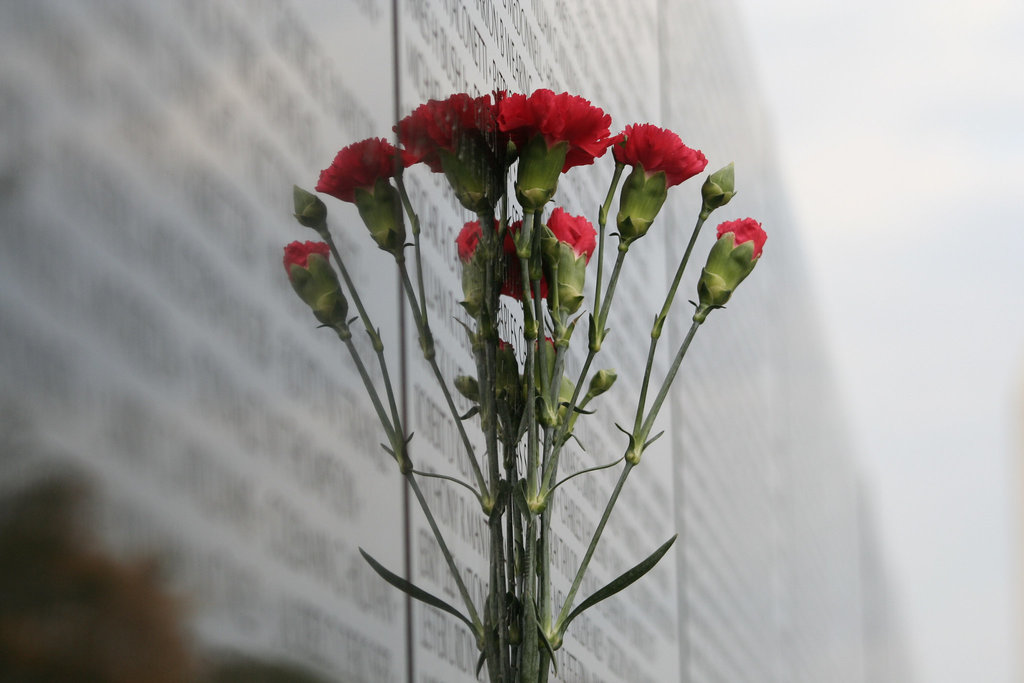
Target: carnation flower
[316, 283]
[745, 230]
[575, 231]
[438, 125]
[567, 246]
[297, 254]
[659, 160]
[730, 261]
[559, 118]
[459, 137]
[658, 149]
[508, 270]
[360, 165]
[552, 133]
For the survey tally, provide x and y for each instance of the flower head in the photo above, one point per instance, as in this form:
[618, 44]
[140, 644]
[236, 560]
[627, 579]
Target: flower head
[459, 137]
[298, 253]
[316, 283]
[658, 149]
[559, 118]
[360, 165]
[745, 230]
[567, 246]
[438, 125]
[730, 261]
[552, 133]
[575, 231]
[659, 160]
[506, 266]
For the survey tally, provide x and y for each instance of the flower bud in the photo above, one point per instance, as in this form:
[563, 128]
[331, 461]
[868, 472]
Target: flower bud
[381, 211]
[718, 189]
[310, 211]
[566, 246]
[639, 203]
[601, 382]
[539, 169]
[468, 387]
[315, 281]
[730, 260]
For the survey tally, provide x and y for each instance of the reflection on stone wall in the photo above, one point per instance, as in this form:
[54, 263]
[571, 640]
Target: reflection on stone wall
[150, 345]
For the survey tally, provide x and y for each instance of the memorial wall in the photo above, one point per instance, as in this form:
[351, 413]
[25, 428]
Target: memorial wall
[150, 343]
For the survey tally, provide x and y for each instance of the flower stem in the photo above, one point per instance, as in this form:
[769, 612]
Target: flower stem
[378, 345]
[660, 398]
[602, 219]
[659, 322]
[427, 344]
[567, 605]
[463, 591]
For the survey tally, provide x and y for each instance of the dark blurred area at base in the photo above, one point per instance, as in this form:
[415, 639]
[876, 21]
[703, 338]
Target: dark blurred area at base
[70, 610]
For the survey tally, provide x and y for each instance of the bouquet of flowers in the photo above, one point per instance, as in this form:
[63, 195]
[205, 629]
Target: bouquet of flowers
[526, 405]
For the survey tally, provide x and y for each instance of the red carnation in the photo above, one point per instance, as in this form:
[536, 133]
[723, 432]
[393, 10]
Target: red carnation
[467, 240]
[439, 124]
[659, 149]
[576, 231]
[745, 230]
[512, 281]
[360, 165]
[297, 253]
[559, 118]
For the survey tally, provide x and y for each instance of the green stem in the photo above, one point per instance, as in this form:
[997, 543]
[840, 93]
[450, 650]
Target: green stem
[378, 345]
[602, 219]
[567, 606]
[427, 343]
[389, 429]
[463, 591]
[659, 322]
[414, 221]
[497, 650]
[531, 638]
[663, 393]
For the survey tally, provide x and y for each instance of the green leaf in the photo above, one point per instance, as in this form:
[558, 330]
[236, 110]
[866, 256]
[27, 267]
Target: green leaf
[415, 591]
[480, 663]
[519, 498]
[621, 582]
[549, 648]
[653, 439]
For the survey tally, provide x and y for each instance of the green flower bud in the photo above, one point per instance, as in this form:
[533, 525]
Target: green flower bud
[381, 211]
[601, 382]
[316, 283]
[718, 189]
[310, 211]
[639, 203]
[567, 245]
[730, 261]
[468, 387]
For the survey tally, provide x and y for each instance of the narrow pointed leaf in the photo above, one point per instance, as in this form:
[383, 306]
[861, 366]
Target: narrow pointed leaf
[414, 591]
[551, 650]
[654, 438]
[620, 582]
[480, 663]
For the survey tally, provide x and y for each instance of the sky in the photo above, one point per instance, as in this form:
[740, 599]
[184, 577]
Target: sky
[900, 128]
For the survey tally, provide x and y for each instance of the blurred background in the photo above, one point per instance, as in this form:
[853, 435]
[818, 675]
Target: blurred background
[899, 128]
[149, 345]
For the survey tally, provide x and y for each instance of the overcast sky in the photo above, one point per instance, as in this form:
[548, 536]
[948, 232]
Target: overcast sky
[901, 131]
